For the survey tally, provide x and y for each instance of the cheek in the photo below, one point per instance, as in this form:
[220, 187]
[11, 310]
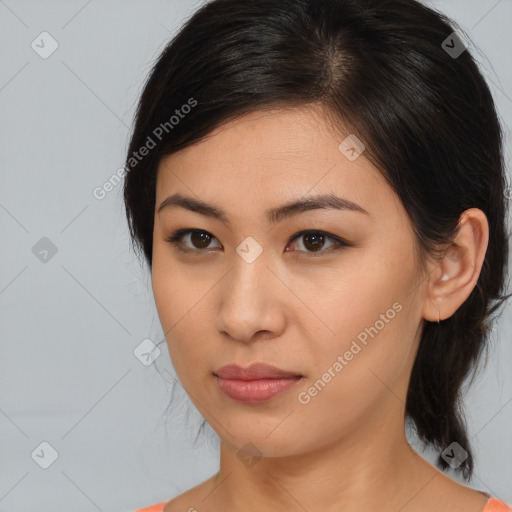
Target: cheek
[350, 299]
[353, 378]
[370, 320]
[379, 345]
[175, 294]
[183, 320]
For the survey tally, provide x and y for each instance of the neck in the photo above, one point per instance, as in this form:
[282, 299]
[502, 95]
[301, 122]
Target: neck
[359, 471]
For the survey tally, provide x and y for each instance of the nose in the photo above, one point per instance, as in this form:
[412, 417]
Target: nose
[252, 303]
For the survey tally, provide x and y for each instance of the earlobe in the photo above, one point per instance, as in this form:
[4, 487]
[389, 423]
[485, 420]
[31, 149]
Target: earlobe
[438, 316]
[452, 279]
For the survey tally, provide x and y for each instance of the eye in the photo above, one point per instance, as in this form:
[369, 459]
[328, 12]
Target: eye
[200, 239]
[314, 241]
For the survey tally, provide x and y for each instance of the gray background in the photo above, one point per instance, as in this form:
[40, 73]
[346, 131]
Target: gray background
[70, 325]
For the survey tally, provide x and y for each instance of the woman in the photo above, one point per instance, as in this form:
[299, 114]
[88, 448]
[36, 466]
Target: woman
[318, 189]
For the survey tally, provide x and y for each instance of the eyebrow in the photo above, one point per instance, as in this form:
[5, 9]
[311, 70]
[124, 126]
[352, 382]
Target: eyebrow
[274, 215]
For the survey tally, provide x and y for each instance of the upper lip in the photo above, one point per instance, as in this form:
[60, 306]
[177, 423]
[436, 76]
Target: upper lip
[253, 372]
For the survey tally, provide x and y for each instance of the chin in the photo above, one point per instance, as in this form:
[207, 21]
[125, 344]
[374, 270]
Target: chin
[265, 442]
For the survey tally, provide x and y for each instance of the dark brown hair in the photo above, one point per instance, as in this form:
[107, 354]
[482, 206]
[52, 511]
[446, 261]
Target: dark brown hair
[384, 72]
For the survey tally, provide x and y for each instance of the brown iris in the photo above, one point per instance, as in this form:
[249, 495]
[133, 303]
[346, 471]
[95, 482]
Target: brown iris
[202, 239]
[315, 241]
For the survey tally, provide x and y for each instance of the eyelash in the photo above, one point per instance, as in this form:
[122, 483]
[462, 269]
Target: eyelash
[339, 243]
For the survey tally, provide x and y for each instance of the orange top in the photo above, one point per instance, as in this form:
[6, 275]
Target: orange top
[159, 507]
[493, 505]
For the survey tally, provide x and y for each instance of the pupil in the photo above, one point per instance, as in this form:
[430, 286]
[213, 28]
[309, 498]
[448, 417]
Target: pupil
[316, 238]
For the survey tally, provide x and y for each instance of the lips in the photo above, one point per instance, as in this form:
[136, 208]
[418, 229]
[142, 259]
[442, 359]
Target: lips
[253, 372]
[255, 384]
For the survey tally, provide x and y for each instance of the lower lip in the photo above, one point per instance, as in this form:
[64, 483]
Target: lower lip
[255, 391]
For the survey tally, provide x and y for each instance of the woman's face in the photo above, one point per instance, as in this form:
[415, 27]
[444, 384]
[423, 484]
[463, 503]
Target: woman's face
[345, 319]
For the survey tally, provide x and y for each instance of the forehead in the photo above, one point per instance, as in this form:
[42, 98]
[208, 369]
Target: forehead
[270, 157]
[291, 133]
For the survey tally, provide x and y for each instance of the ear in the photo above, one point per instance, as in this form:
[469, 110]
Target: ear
[452, 280]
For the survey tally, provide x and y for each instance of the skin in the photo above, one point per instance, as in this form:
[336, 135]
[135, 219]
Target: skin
[299, 310]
